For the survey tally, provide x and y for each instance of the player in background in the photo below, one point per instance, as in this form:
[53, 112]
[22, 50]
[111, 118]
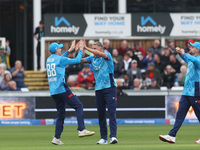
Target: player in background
[60, 91]
[191, 91]
[105, 90]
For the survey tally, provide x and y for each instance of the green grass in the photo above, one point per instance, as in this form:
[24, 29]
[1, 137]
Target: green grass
[131, 137]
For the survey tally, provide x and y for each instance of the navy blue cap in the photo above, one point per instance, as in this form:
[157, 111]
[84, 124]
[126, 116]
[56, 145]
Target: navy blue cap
[54, 46]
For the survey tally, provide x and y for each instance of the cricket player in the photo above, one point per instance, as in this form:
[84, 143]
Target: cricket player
[60, 91]
[105, 90]
[191, 91]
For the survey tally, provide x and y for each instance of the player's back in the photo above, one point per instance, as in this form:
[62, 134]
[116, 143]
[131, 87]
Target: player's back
[56, 74]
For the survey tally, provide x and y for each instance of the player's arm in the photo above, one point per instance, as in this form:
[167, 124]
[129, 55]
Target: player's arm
[193, 59]
[70, 49]
[96, 53]
[187, 57]
[181, 52]
[83, 60]
[67, 61]
[87, 59]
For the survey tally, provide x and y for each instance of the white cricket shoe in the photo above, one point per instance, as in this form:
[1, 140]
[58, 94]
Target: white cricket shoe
[197, 142]
[85, 132]
[102, 141]
[167, 138]
[56, 141]
[113, 140]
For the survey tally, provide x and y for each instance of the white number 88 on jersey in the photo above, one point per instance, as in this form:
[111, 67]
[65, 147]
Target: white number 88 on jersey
[51, 69]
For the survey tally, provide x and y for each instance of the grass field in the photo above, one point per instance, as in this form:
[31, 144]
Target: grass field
[131, 137]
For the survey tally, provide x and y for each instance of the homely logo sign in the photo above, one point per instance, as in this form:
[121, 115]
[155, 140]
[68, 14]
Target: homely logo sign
[151, 24]
[152, 28]
[67, 28]
[64, 25]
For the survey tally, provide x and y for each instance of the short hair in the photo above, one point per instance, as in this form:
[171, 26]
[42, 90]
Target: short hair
[183, 66]
[173, 55]
[3, 66]
[168, 66]
[106, 40]
[157, 41]
[157, 55]
[18, 61]
[91, 42]
[41, 22]
[127, 54]
[98, 44]
[125, 75]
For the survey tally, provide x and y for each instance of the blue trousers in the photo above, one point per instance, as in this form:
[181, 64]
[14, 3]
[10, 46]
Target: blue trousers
[71, 99]
[184, 105]
[107, 98]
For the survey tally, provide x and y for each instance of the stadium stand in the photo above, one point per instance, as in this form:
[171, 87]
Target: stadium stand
[36, 80]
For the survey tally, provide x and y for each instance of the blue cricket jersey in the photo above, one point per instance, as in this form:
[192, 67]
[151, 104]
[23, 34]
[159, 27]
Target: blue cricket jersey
[103, 71]
[55, 65]
[192, 86]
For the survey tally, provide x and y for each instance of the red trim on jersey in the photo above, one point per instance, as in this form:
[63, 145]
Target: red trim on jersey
[68, 52]
[107, 58]
[70, 95]
[88, 62]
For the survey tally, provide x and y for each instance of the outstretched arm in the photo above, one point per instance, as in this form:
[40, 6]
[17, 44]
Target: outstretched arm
[187, 57]
[95, 52]
[181, 53]
[70, 49]
[83, 60]
[67, 61]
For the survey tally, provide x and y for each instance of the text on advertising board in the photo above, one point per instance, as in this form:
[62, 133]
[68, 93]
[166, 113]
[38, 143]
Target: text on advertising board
[148, 28]
[12, 110]
[63, 29]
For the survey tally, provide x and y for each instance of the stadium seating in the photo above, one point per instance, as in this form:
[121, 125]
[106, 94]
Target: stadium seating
[36, 80]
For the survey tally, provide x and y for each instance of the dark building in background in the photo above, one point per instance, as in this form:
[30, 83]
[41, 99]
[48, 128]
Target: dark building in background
[16, 17]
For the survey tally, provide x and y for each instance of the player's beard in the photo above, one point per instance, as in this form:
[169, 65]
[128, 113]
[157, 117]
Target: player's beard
[191, 53]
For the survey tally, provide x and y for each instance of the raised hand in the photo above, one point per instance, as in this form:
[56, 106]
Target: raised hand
[73, 45]
[77, 46]
[84, 43]
[180, 50]
[81, 45]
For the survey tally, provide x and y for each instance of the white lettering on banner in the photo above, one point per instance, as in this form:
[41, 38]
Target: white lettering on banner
[158, 28]
[72, 29]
